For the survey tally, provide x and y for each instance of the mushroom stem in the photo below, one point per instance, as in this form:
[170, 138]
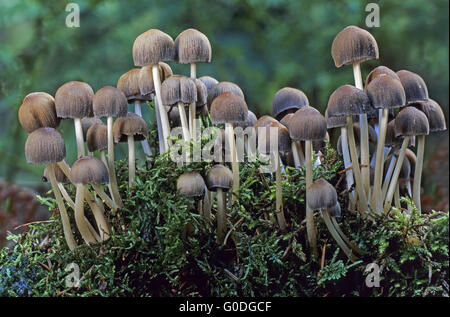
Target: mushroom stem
[377, 203]
[397, 203]
[159, 127]
[103, 158]
[207, 204]
[234, 163]
[362, 200]
[80, 219]
[394, 180]
[352, 245]
[347, 163]
[131, 162]
[79, 137]
[184, 125]
[221, 217]
[310, 226]
[70, 240]
[162, 112]
[111, 167]
[348, 252]
[418, 171]
[192, 123]
[300, 153]
[108, 201]
[279, 193]
[295, 154]
[66, 196]
[144, 143]
[389, 172]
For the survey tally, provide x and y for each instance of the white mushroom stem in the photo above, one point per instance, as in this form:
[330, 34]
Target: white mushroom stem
[111, 167]
[336, 236]
[66, 196]
[362, 200]
[185, 128]
[279, 194]
[144, 143]
[159, 127]
[310, 226]
[295, 154]
[352, 245]
[162, 112]
[80, 219]
[394, 180]
[300, 153]
[397, 196]
[221, 216]
[192, 122]
[70, 240]
[131, 161]
[418, 171]
[108, 201]
[105, 161]
[79, 137]
[347, 164]
[377, 202]
[206, 211]
[234, 163]
[389, 172]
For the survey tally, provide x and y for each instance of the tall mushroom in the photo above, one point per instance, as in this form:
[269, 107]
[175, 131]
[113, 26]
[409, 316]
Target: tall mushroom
[308, 125]
[110, 102]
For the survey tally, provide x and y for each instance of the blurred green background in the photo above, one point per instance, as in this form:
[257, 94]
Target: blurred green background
[262, 45]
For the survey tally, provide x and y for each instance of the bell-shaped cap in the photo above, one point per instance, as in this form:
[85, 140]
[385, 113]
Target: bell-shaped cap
[414, 85]
[219, 176]
[336, 121]
[288, 99]
[97, 137]
[59, 175]
[307, 124]
[348, 100]
[192, 46]
[202, 93]
[220, 88]
[129, 83]
[249, 122]
[321, 195]
[209, 82]
[273, 132]
[191, 184]
[74, 100]
[353, 45]
[89, 170]
[38, 111]
[410, 121]
[110, 102]
[386, 92]
[228, 108]
[88, 122]
[434, 113]
[391, 139]
[152, 47]
[44, 146]
[380, 70]
[178, 88]
[130, 125]
[263, 121]
[286, 119]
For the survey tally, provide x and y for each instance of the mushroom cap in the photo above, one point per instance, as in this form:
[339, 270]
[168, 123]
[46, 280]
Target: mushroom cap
[44, 146]
[249, 122]
[178, 88]
[59, 175]
[410, 121]
[307, 124]
[192, 46]
[434, 113]
[386, 92]
[414, 85]
[273, 131]
[152, 47]
[74, 100]
[263, 121]
[219, 176]
[130, 125]
[209, 82]
[335, 211]
[336, 121]
[110, 102]
[129, 84]
[391, 139]
[353, 45]
[380, 70]
[228, 108]
[348, 100]
[202, 93]
[145, 79]
[321, 195]
[220, 88]
[88, 122]
[97, 137]
[38, 111]
[89, 170]
[286, 119]
[191, 184]
[288, 98]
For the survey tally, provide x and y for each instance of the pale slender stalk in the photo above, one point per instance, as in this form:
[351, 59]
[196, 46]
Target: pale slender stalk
[279, 194]
[144, 143]
[394, 180]
[397, 196]
[105, 198]
[221, 216]
[348, 252]
[103, 158]
[79, 137]
[131, 161]
[159, 127]
[162, 112]
[207, 204]
[192, 109]
[347, 164]
[295, 154]
[390, 170]
[66, 196]
[111, 167]
[377, 203]
[234, 163]
[80, 219]
[418, 171]
[99, 214]
[310, 226]
[300, 153]
[70, 240]
[353, 246]
[184, 126]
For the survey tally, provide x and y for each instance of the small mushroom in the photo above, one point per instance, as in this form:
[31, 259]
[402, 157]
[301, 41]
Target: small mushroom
[288, 100]
[86, 123]
[220, 88]
[414, 85]
[38, 111]
[209, 82]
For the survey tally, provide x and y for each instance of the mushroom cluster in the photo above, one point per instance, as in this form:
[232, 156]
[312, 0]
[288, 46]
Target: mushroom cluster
[378, 120]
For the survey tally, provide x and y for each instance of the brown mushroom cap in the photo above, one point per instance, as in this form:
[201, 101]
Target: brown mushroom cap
[307, 124]
[152, 47]
[97, 137]
[219, 176]
[348, 100]
[38, 111]
[202, 93]
[288, 99]
[86, 123]
[228, 108]
[145, 79]
[386, 92]
[391, 139]
[209, 82]
[353, 45]
[178, 88]
[44, 146]
[130, 125]
[110, 102]
[89, 170]
[434, 113]
[59, 175]
[414, 85]
[410, 121]
[220, 88]
[191, 184]
[336, 121]
[249, 122]
[129, 84]
[263, 121]
[192, 46]
[280, 133]
[286, 119]
[74, 100]
[321, 195]
[377, 71]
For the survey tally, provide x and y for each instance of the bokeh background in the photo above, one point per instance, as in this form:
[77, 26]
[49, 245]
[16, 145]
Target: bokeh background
[262, 45]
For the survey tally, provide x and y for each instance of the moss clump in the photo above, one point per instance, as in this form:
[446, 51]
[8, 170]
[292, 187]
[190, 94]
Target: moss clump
[152, 254]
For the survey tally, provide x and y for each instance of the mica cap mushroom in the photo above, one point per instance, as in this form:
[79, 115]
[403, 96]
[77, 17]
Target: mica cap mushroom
[414, 85]
[153, 46]
[38, 110]
[220, 88]
[191, 184]
[192, 46]
[286, 100]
